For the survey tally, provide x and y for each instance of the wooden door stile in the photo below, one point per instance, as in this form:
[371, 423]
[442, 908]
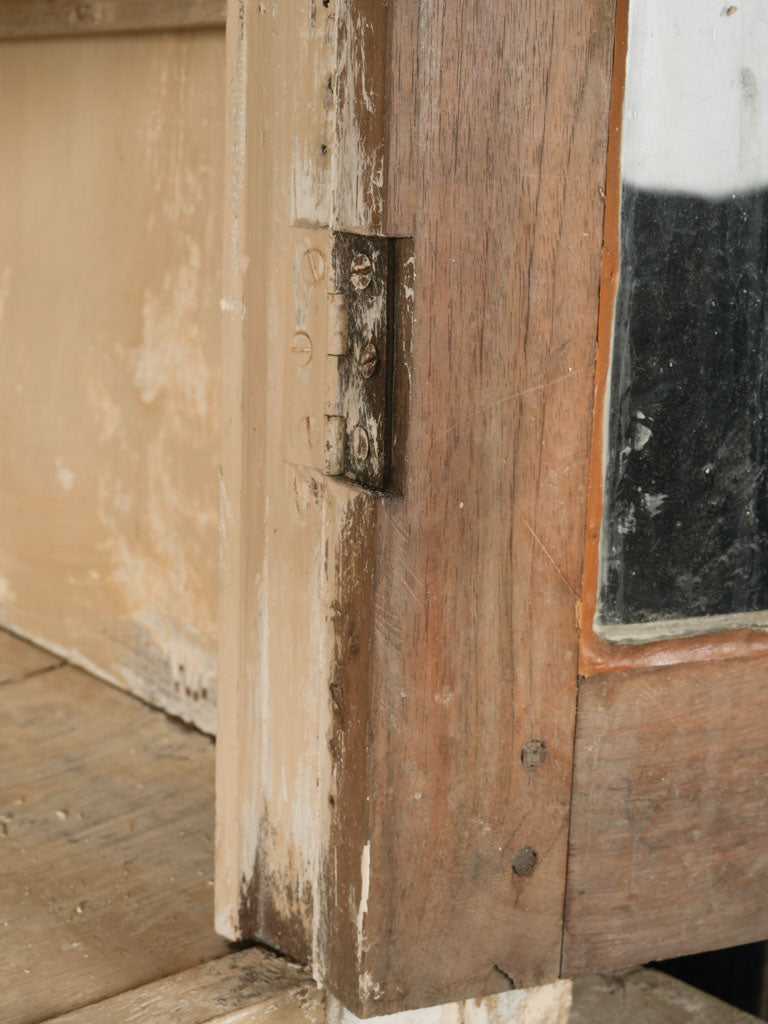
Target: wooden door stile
[399, 670]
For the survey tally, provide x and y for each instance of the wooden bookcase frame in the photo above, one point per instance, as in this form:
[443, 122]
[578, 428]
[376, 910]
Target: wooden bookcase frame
[421, 790]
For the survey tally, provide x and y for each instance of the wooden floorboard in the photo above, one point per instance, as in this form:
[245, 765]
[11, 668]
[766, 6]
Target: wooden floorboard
[252, 985]
[19, 659]
[647, 997]
[106, 845]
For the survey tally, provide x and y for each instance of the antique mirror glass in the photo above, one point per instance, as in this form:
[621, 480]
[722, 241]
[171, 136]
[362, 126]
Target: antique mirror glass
[684, 541]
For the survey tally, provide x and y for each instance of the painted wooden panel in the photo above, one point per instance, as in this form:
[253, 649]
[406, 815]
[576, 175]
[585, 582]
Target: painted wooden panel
[110, 251]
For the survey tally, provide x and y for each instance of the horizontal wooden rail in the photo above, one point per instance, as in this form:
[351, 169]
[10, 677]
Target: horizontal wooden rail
[24, 19]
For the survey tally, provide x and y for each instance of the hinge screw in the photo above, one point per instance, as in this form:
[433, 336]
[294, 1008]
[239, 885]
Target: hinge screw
[360, 444]
[361, 271]
[369, 360]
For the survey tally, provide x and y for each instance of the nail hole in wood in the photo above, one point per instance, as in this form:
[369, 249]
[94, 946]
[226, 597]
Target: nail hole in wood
[524, 861]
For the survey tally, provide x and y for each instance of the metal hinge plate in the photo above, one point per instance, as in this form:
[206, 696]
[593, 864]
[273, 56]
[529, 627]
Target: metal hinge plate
[361, 269]
[352, 298]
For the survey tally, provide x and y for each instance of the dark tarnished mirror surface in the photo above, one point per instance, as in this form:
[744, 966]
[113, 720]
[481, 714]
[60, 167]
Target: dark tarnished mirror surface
[685, 517]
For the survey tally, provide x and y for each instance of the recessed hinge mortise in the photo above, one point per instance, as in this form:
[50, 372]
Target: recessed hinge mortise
[359, 424]
[345, 384]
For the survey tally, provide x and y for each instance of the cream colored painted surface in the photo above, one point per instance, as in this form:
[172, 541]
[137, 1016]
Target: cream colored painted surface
[282, 523]
[111, 184]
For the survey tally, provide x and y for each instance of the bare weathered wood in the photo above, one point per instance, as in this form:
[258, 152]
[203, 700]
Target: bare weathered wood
[19, 660]
[456, 876]
[242, 988]
[106, 840]
[252, 987]
[669, 824]
[20, 19]
[647, 997]
[360, 115]
[110, 233]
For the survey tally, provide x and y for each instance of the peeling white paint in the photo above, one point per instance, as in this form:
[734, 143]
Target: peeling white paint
[652, 503]
[544, 1004]
[362, 910]
[642, 436]
[171, 358]
[232, 306]
[357, 169]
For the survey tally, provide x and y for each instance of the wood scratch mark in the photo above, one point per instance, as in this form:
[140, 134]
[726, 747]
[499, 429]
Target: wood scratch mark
[492, 405]
[557, 568]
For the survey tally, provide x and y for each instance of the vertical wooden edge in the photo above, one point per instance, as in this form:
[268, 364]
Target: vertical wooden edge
[232, 745]
[31, 19]
[609, 279]
[401, 319]
[359, 152]
[296, 565]
[402, 120]
[347, 860]
[416, 661]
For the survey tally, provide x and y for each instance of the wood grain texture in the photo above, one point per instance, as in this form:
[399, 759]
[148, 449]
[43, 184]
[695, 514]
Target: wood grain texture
[384, 660]
[473, 635]
[21, 19]
[669, 824]
[360, 115]
[106, 836]
[18, 659]
[246, 987]
[110, 234]
[647, 997]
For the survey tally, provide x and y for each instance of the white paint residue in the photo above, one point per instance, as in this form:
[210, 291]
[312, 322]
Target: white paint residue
[407, 288]
[628, 522]
[107, 411]
[171, 359]
[6, 591]
[544, 1004]
[641, 437]
[232, 306]
[365, 884]
[694, 120]
[652, 503]
[64, 476]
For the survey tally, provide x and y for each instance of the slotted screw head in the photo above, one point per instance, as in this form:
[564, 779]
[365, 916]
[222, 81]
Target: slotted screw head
[360, 271]
[369, 360]
[360, 444]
